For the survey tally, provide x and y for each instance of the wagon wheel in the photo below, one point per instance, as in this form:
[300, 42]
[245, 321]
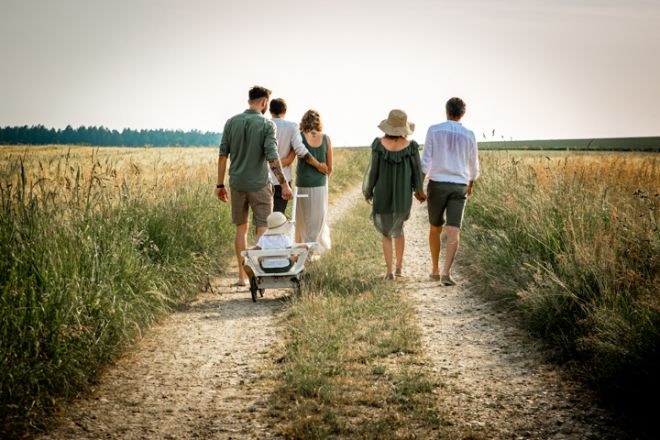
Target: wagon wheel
[297, 288]
[253, 288]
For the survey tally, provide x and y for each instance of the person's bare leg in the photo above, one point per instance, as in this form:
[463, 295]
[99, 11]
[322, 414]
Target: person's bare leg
[435, 242]
[453, 238]
[387, 251]
[240, 244]
[399, 246]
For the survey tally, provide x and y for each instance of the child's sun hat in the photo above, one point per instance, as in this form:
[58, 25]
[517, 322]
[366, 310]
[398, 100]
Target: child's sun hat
[277, 224]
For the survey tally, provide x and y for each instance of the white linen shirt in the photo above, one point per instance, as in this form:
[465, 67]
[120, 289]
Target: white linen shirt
[277, 241]
[450, 154]
[288, 136]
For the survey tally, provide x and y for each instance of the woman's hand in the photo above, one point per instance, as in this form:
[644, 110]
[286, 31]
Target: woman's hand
[421, 196]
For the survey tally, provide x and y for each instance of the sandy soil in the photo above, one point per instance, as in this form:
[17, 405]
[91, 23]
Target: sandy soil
[207, 370]
[202, 373]
[497, 382]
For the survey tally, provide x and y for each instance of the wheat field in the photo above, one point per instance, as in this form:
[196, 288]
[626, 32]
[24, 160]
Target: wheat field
[99, 243]
[96, 245]
[572, 241]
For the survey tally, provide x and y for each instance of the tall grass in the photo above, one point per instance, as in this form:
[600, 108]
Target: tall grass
[347, 169]
[573, 241]
[94, 249]
[352, 366]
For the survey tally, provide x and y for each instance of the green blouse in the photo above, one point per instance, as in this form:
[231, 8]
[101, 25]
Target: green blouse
[306, 175]
[392, 177]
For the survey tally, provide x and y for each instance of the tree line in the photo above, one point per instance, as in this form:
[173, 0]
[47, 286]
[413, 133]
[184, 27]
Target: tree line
[102, 136]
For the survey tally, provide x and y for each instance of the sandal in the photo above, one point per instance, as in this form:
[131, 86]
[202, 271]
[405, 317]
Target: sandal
[389, 276]
[447, 280]
[435, 276]
[398, 272]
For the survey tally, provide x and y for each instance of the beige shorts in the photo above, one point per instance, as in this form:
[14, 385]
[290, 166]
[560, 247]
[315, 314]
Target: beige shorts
[261, 202]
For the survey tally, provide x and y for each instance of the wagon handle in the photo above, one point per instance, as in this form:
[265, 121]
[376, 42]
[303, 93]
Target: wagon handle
[293, 211]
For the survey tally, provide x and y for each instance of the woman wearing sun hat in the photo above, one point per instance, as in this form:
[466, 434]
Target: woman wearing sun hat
[394, 174]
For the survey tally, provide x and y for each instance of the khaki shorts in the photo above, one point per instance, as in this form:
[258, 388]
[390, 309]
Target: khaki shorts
[446, 198]
[261, 202]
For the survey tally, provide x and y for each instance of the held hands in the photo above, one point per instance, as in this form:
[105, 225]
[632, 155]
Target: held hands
[221, 194]
[421, 196]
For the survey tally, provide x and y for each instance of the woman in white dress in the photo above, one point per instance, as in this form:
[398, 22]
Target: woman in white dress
[311, 210]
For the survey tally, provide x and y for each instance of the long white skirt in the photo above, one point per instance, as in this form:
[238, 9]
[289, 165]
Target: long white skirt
[311, 213]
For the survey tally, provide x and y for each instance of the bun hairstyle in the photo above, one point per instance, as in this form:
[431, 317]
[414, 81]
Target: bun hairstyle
[311, 121]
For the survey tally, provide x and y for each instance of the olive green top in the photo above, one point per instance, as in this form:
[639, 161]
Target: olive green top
[249, 141]
[306, 175]
[392, 177]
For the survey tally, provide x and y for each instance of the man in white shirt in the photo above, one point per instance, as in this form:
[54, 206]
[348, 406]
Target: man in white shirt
[289, 145]
[451, 162]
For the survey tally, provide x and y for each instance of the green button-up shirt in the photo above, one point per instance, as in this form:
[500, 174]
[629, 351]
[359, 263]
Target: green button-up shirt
[249, 141]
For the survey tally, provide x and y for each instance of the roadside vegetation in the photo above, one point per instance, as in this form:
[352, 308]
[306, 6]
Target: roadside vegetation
[573, 242]
[598, 144]
[352, 365]
[95, 247]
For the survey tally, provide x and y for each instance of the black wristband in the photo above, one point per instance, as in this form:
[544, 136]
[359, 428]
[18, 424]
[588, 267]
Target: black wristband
[220, 185]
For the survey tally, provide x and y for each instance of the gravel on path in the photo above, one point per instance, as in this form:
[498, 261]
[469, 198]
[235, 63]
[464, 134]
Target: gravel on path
[497, 380]
[202, 373]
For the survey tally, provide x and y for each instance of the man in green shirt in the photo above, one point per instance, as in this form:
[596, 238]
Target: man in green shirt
[250, 140]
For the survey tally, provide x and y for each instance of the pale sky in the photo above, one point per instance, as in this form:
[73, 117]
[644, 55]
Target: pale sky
[530, 69]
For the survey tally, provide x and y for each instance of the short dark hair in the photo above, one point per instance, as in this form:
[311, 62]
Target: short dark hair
[455, 108]
[258, 92]
[278, 106]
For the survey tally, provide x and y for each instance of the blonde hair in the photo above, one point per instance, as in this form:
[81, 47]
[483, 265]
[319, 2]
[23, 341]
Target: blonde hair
[311, 120]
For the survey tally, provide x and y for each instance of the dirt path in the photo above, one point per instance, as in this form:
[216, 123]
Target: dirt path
[497, 382]
[197, 375]
[203, 372]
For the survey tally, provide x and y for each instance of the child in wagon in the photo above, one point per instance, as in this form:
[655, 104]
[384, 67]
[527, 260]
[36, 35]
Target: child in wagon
[277, 237]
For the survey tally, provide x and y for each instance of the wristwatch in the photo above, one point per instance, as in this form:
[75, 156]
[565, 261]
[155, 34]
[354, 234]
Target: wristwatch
[220, 185]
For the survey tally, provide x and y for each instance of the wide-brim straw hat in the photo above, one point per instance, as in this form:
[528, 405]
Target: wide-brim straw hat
[397, 124]
[277, 224]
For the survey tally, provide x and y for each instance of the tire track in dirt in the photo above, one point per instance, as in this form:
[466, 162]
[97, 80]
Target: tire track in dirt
[497, 383]
[202, 373]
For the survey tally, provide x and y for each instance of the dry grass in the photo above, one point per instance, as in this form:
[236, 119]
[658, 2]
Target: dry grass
[352, 366]
[96, 244]
[573, 241]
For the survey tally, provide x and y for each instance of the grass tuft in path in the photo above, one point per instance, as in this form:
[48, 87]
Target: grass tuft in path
[352, 366]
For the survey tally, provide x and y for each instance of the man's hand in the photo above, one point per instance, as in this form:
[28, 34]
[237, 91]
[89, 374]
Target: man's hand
[322, 168]
[421, 196]
[469, 189]
[221, 194]
[286, 192]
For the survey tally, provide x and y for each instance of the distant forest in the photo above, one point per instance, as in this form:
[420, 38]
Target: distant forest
[102, 136]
